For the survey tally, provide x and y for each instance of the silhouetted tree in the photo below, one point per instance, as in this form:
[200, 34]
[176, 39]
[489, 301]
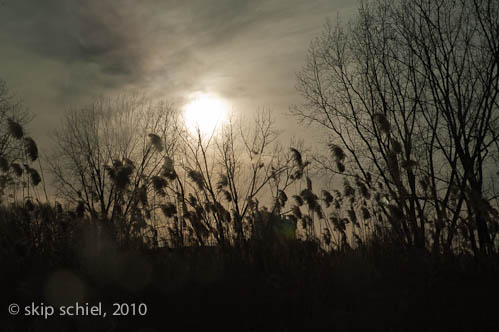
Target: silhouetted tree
[107, 155]
[409, 90]
[213, 186]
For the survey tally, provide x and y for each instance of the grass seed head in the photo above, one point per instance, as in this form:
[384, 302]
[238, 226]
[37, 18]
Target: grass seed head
[15, 129]
[382, 122]
[156, 142]
[340, 166]
[4, 164]
[337, 152]
[17, 169]
[297, 157]
[31, 148]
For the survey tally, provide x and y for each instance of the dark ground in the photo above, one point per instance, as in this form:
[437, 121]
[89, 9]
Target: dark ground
[296, 289]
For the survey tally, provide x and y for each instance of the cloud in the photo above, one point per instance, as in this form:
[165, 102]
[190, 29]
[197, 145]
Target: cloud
[60, 53]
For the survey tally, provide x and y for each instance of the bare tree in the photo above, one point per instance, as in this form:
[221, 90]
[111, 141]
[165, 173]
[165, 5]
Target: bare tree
[408, 90]
[107, 154]
[216, 185]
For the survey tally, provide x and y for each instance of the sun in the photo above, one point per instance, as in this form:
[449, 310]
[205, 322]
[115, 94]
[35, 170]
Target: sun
[205, 112]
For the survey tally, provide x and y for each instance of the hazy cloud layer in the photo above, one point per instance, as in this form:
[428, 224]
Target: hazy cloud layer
[61, 53]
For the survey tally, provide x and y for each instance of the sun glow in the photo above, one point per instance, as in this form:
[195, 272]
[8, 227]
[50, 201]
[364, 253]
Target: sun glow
[205, 112]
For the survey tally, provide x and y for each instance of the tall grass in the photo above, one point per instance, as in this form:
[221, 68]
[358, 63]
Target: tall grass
[311, 257]
[354, 278]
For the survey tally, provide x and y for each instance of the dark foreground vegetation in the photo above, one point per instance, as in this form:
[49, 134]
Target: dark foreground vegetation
[393, 228]
[196, 265]
[257, 285]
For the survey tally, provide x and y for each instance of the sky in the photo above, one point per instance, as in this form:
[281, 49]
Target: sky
[60, 54]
